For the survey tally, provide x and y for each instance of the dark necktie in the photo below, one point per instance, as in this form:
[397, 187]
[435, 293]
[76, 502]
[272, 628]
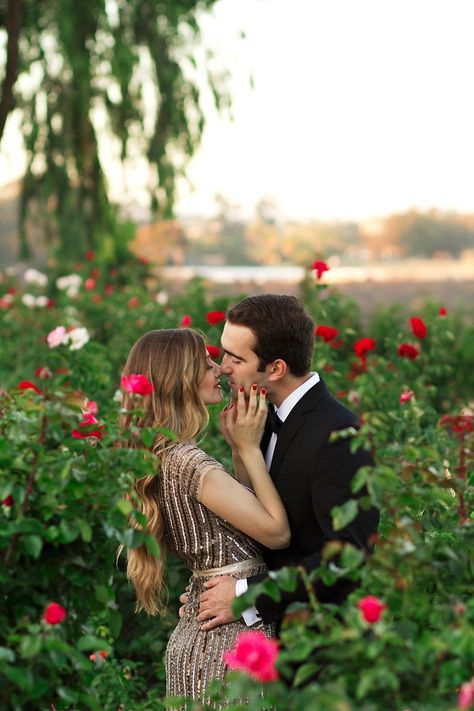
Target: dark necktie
[273, 420]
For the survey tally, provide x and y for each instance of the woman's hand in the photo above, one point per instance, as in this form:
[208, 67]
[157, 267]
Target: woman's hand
[244, 422]
[231, 411]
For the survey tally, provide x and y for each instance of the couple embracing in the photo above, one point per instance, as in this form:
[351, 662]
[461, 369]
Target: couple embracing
[274, 511]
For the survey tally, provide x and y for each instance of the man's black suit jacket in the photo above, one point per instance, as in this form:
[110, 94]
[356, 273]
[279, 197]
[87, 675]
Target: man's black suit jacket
[312, 475]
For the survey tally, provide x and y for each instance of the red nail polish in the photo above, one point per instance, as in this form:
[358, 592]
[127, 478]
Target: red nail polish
[254, 387]
[263, 391]
[241, 389]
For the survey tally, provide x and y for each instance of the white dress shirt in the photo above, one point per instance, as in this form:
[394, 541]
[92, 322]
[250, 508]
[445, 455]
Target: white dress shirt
[251, 615]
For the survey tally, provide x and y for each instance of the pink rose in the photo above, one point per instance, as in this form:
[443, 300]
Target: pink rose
[255, 654]
[406, 395]
[57, 337]
[371, 608]
[54, 613]
[466, 695]
[136, 383]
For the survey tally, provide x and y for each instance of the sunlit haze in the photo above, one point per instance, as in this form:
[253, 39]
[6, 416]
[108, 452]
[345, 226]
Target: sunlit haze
[359, 108]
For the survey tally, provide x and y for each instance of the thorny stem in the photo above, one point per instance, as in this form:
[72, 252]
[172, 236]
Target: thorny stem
[308, 586]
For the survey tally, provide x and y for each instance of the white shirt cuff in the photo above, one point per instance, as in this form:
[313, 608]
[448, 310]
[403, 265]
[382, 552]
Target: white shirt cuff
[250, 615]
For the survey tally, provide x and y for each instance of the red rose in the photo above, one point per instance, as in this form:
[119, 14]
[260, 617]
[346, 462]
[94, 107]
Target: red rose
[371, 608]
[89, 255]
[90, 284]
[133, 302]
[109, 289]
[443, 311]
[8, 502]
[460, 424]
[320, 268]
[99, 656]
[186, 321]
[136, 383]
[363, 346]
[213, 351]
[327, 333]
[54, 613]
[406, 350]
[418, 327]
[214, 317]
[28, 385]
[43, 373]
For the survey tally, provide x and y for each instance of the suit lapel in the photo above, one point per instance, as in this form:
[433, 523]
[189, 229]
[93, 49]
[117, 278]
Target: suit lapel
[294, 422]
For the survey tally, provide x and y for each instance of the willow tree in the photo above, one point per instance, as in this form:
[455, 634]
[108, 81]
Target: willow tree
[89, 71]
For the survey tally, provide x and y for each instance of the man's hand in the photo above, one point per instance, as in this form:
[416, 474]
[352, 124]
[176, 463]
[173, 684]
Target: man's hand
[216, 603]
[184, 601]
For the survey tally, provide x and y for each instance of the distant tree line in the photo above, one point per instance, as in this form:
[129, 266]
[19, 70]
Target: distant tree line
[267, 239]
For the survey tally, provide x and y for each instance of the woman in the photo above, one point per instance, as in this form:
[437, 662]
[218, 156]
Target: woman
[194, 508]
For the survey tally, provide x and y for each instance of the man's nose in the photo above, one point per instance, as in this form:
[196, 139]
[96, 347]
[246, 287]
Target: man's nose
[225, 365]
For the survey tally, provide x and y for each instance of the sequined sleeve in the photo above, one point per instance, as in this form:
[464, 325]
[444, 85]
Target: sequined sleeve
[193, 464]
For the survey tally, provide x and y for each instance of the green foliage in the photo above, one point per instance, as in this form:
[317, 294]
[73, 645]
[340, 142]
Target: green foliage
[91, 72]
[67, 514]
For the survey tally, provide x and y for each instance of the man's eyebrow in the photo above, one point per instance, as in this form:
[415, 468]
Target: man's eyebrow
[234, 355]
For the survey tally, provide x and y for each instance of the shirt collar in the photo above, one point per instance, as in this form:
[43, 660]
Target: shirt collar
[289, 402]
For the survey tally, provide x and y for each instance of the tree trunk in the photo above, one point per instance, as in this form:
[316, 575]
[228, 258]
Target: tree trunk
[12, 26]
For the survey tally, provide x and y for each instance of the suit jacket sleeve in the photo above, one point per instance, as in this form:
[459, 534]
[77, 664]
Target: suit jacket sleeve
[330, 487]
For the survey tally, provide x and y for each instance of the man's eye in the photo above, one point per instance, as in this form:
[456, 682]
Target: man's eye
[237, 362]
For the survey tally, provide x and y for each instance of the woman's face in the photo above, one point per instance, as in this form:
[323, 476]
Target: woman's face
[210, 389]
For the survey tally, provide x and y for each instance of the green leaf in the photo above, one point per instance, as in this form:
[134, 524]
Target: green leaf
[343, 515]
[32, 545]
[305, 672]
[103, 594]
[7, 655]
[30, 645]
[68, 530]
[85, 530]
[124, 506]
[132, 538]
[152, 546]
[91, 643]
[148, 437]
[351, 557]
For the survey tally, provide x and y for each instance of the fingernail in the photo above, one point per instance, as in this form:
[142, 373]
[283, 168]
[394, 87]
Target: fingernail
[225, 408]
[241, 389]
[254, 387]
[263, 391]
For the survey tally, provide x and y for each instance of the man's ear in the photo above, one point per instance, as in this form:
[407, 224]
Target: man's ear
[277, 369]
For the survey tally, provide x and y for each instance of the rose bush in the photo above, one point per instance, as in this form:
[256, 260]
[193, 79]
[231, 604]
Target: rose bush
[69, 637]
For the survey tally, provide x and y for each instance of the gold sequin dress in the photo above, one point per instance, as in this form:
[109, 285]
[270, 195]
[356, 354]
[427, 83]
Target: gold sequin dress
[205, 542]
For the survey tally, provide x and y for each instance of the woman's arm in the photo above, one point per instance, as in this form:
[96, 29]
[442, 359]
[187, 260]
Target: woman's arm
[239, 469]
[261, 516]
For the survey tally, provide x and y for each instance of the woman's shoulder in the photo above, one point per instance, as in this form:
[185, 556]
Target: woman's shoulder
[189, 453]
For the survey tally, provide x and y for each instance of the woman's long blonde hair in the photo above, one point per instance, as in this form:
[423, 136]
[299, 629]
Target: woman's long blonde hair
[174, 361]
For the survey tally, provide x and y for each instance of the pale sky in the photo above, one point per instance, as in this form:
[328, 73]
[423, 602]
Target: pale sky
[360, 108]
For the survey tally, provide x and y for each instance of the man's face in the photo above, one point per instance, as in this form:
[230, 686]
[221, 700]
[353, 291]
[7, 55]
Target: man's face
[240, 362]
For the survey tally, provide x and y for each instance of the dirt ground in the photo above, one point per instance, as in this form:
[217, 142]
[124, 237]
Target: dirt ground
[369, 295]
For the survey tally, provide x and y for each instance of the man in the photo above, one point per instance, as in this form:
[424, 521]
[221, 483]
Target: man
[268, 340]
